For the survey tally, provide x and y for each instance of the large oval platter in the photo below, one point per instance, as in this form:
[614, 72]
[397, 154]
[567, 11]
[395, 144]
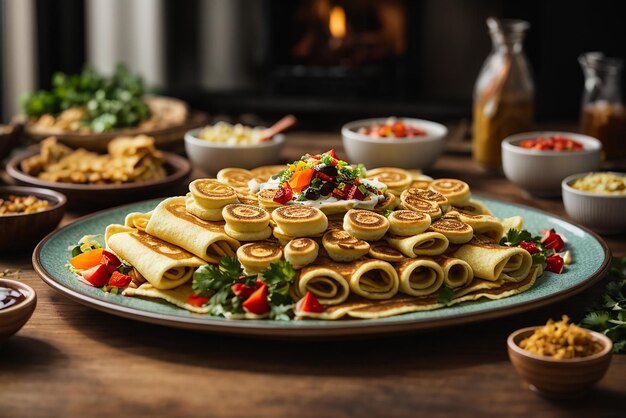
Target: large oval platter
[590, 254]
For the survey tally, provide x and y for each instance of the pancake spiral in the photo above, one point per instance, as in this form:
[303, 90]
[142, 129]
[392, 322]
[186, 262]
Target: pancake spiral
[382, 251]
[405, 223]
[396, 179]
[235, 177]
[256, 256]
[412, 202]
[263, 173]
[430, 196]
[365, 224]
[341, 246]
[246, 222]
[456, 231]
[212, 194]
[390, 202]
[457, 191]
[299, 220]
[301, 251]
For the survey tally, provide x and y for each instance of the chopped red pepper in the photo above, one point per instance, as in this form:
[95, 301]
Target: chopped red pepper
[96, 276]
[553, 241]
[257, 302]
[554, 263]
[197, 300]
[242, 290]
[529, 246]
[284, 194]
[323, 176]
[118, 279]
[110, 260]
[309, 303]
[333, 154]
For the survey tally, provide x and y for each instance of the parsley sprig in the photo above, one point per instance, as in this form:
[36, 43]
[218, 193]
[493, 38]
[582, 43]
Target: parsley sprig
[608, 315]
[216, 283]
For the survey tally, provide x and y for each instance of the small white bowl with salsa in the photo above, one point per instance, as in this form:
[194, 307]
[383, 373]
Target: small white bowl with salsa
[539, 161]
[396, 142]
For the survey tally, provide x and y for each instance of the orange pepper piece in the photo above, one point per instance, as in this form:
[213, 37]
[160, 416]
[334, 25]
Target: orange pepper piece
[301, 179]
[87, 260]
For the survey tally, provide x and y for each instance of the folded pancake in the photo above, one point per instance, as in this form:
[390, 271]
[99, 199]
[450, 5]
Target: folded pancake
[235, 177]
[341, 246]
[491, 261]
[419, 276]
[162, 264]
[456, 191]
[138, 220]
[171, 222]
[456, 273]
[390, 202]
[322, 279]
[456, 231]
[192, 206]
[430, 196]
[365, 224]
[257, 256]
[263, 173]
[212, 194]
[300, 221]
[380, 250]
[177, 296]
[301, 252]
[486, 225]
[426, 243]
[396, 179]
[412, 202]
[474, 207]
[406, 223]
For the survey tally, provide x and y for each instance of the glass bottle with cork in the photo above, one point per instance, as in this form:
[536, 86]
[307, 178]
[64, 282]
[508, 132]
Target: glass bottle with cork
[603, 115]
[503, 94]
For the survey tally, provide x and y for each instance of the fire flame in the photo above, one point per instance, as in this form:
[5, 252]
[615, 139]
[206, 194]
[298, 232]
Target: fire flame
[337, 22]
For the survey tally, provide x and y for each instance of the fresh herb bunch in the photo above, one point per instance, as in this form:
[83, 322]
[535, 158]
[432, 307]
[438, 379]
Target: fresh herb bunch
[216, 282]
[608, 315]
[110, 102]
[531, 243]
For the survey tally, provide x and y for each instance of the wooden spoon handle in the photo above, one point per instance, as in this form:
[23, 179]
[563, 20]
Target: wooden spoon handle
[284, 123]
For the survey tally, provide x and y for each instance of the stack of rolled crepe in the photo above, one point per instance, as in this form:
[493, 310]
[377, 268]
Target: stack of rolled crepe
[207, 197]
[295, 221]
[246, 222]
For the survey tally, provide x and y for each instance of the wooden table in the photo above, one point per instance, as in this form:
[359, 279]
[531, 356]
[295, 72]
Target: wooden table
[73, 361]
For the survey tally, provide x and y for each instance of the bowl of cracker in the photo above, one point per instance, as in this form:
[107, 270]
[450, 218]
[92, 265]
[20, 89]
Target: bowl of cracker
[133, 169]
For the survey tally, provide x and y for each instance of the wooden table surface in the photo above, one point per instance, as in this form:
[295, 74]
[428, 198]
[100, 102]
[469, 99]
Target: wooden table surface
[73, 361]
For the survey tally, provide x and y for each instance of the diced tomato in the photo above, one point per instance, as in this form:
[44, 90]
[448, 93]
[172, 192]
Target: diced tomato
[323, 176]
[529, 246]
[87, 259]
[309, 303]
[242, 290]
[554, 263]
[257, 302]
[119, 280]
[284, 194]
[553, 241]
[96, 276]
[197, 300]
[110, 260]
[333, 154]
[554, 143]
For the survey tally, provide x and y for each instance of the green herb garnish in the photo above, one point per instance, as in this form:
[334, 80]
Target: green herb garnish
[445, 295]
[514, 237]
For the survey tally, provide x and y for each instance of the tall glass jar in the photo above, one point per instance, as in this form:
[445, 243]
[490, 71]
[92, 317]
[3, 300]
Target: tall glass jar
[504, 92]
[603, 114]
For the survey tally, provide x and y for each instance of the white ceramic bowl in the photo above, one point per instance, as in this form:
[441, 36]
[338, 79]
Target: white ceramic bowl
[540, 172]
[419, 152]
[603, 213]
[212, 157]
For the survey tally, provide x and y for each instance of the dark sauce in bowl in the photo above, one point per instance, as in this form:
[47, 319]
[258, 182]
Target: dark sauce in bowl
[10, 297]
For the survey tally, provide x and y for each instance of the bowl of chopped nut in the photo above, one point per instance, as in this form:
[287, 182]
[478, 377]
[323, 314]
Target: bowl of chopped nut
[559, 359]
[27, 214]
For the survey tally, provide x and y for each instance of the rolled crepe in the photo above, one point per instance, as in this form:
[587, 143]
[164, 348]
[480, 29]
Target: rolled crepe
[482, 224]
[235, 177]
[371, 279]
[456, 273]
[419, 276]
[456, 191]
[171, 222]
[177, 296]
[493, 262]
[326, 283]
[396, 179]
[138, 220]
[426, 243]
[163, 265]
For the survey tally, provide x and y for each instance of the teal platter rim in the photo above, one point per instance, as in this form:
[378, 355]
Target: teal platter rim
[550, 288]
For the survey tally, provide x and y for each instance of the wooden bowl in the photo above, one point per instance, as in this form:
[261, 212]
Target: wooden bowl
[165, 137]
[94, 196]
[13, 318]
[23, 231]
[559, 378]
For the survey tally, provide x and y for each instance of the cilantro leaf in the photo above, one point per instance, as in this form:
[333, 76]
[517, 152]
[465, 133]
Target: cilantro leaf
[445, 295]
[231, 267]
[207, 279]
[387, 212]
[514, 237]
[539, 258]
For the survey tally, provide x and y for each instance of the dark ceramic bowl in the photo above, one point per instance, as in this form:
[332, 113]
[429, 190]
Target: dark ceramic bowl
[23, 231]
[13, 318]
[95, 196]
